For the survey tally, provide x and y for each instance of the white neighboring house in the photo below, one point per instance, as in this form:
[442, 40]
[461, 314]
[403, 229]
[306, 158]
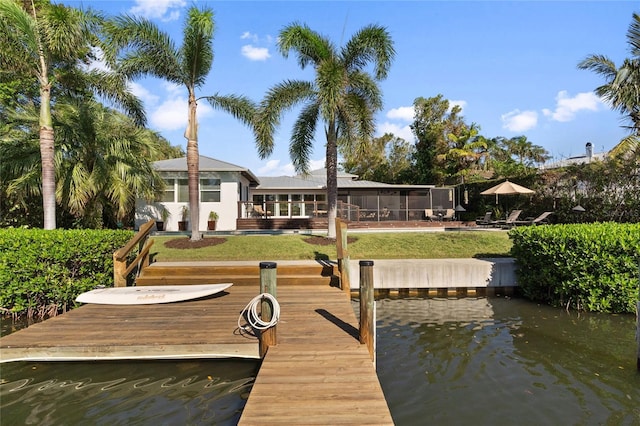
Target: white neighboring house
[222, 186]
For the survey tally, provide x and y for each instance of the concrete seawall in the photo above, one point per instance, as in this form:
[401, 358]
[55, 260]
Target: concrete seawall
[439, 273]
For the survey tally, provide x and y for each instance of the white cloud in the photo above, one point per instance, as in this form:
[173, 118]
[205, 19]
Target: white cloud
[255, 53]
[316, 164]
[141, 92]
[248, 36]
[519, 121]
[461, 104]
[165, 10]
[402, 113]
[403, 132]
[172, 114]
[567, 107]
[273, 168]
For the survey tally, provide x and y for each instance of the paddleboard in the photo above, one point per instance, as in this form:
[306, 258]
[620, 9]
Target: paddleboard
[146, 295]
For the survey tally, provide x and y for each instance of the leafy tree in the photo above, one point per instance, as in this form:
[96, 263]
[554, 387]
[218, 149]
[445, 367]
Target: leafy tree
[138, 47]
[465, 150]
[343, 95]
[45, 42]
[103, 161]
[513, 157]
[433, 122]
[622, 87]
[384, 159]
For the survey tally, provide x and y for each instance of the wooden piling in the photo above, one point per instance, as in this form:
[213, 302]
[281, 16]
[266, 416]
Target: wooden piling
[367, 307]
[343, 256]
[268, 284]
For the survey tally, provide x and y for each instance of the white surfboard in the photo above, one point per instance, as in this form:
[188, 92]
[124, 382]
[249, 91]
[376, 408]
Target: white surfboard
[146, 295]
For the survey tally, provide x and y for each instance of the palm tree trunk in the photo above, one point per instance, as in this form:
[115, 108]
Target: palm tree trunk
[47, 156]
[332, 179]
[193, 158]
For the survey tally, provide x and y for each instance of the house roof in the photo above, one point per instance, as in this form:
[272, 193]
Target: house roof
[581, 159]
[206, 164]
[316, 180]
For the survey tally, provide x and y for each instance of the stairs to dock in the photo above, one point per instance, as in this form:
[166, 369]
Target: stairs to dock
[238, 273]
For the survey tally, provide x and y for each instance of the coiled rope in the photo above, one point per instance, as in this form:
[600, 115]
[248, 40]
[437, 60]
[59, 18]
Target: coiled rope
[253, 318]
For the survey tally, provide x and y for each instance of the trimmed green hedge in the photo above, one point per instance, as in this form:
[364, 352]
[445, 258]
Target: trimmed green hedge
[591, 267]
[42, 272]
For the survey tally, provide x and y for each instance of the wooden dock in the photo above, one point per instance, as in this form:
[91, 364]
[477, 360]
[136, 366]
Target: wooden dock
[318, 373]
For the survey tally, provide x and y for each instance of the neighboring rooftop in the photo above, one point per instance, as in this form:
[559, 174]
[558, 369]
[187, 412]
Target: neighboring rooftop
[588, 157]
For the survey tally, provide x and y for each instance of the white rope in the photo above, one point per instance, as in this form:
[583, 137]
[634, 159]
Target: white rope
[253, 318]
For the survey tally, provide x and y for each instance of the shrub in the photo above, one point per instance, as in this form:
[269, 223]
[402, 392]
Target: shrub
[42, 272]
[591, 267]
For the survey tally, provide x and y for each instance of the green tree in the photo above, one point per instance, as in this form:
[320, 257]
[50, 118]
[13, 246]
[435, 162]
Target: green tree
[384, 159]
[48, 42]
[464, 152]
[433, 122]
[343, 95]
[103, 162]
[138, 47]
[622, 88]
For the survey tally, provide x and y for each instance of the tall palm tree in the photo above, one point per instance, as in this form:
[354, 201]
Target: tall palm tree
[622, 87]
[343, 95]
[44, 42]
[137, 47]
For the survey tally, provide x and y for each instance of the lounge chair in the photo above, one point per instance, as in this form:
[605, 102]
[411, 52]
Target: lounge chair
[448, 215]
[259, 211]
[510, 220]
[543, 219]
[486, 220]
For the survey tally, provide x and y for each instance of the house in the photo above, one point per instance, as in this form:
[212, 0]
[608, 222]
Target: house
[586, 158]
[244, 201]
[222, 186]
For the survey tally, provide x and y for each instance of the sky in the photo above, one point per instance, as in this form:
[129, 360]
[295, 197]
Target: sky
[510, 65]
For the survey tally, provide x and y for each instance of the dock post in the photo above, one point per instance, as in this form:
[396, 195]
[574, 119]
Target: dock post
[343, 256]
[367, 307]
[268, 284]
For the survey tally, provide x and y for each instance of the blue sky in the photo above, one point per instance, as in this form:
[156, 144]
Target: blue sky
[511, 65]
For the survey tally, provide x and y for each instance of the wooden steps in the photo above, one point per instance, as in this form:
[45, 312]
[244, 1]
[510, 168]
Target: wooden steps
[243, 273]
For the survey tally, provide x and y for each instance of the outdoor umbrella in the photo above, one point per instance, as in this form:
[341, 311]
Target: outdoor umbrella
[507, 188]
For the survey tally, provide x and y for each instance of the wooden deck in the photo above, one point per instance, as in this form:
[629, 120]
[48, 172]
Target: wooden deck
[204, 328]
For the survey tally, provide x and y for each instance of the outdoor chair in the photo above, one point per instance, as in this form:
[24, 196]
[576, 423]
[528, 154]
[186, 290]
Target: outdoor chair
[510, 220]
[259, 211]
[448, 215]
[543, 219]
[486, 220]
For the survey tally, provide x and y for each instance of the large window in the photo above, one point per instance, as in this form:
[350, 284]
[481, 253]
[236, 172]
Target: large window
[210, 190]
[183, 190]
[169, 194]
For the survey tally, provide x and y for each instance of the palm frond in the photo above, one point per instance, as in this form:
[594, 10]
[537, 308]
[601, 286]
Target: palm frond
[372, 43]
[310, 47]
[240, 107]
[197, 46]
[301, 144]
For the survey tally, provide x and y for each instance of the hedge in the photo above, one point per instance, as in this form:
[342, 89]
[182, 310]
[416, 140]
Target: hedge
[42, 272]
[592, 267]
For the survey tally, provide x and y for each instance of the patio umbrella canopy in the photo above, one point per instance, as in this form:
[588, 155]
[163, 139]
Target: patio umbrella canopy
[507, 188]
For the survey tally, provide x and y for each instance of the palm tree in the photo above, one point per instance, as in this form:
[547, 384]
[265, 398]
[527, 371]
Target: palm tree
[47, 43]
[342, 95]
[622, 87]
[137, 47]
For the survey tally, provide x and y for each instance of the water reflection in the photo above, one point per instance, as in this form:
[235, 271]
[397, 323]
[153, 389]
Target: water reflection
[493, 361]
[125, 393]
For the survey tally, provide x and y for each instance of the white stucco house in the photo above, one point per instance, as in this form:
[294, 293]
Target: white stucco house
[244, 201]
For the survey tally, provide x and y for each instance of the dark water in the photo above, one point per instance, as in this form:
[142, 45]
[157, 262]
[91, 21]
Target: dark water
[473, 361]
[505, 362]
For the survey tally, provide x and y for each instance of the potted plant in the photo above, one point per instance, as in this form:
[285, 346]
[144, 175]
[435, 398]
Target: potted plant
[164, 216]
[211, 223]
[182, 225]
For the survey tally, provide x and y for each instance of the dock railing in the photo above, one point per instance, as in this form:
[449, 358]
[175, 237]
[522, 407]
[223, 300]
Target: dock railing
[120, 268]
[343, 256]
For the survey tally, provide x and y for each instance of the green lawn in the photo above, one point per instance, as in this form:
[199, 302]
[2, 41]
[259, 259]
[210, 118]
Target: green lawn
[400, 245]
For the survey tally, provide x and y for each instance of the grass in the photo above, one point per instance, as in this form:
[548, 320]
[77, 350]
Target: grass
[400, 245]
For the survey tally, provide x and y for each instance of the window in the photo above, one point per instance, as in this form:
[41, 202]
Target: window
[210, 190]
[169, 194]
[183, 190]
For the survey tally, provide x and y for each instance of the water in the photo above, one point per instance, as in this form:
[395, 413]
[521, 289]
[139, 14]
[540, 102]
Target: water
[472, 361]
[503, 361]
[125, 393]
